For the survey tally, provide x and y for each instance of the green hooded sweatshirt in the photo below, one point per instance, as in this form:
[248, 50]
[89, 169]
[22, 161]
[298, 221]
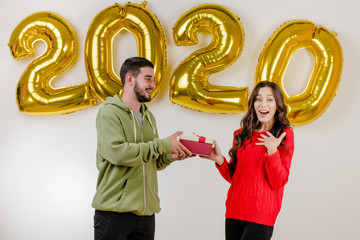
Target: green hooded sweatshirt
[128, 158]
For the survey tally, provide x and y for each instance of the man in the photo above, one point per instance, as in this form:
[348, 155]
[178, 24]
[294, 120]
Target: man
[129, 153]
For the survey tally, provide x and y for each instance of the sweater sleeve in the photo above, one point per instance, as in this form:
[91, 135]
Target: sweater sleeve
[225, 170]
[114, 147]
[278, 164]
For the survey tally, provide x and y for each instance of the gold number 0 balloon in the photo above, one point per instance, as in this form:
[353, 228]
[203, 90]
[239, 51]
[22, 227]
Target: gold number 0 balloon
[322, 86]
[35, 95]
[99, 41]
[189, 85]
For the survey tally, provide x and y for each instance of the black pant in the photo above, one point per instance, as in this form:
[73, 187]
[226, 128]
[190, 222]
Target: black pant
[123, 226]
[242, 230]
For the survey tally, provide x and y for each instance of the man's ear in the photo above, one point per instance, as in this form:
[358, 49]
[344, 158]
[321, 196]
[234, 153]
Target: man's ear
[129, 79]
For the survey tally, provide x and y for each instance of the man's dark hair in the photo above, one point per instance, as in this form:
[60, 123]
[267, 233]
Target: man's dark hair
[132, 65]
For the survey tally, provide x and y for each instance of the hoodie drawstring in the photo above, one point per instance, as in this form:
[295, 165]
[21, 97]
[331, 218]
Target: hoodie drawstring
[154, 130]
[133, 118]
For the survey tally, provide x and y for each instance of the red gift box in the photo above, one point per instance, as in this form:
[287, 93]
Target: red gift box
[197, 144]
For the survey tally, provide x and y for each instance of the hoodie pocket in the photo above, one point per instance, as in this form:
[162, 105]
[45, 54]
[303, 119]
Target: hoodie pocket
[132, 197]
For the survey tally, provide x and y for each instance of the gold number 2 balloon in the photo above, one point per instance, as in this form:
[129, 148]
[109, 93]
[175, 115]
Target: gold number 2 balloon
[189, 85]
[99, 45]
[322, 85]
[35, 95]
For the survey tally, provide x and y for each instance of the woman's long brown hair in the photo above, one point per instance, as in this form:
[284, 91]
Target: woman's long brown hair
[250, 122]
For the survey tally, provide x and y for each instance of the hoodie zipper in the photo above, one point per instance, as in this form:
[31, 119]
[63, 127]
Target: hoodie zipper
[142, 136]
[142, 139]
[143, 166]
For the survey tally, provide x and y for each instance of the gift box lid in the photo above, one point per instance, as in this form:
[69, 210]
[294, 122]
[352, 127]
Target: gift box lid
[196, 138]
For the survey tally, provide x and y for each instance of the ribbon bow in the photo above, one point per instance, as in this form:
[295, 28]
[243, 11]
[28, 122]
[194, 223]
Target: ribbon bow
[201, 138]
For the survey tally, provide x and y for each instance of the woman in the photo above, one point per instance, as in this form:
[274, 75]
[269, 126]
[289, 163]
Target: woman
[259, 165]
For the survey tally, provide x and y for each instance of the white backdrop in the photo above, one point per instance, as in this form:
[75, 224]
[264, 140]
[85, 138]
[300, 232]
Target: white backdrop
[47, 163]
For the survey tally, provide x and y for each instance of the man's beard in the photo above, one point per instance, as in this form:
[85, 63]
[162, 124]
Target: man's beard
[140, 94]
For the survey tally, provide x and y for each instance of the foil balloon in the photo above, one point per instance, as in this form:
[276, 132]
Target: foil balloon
[149, 36]
[189, 85]
[323, 83]
[35, 94]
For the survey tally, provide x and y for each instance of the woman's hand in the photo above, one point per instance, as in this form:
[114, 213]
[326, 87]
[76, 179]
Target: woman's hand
[270, 142]
[216, 154]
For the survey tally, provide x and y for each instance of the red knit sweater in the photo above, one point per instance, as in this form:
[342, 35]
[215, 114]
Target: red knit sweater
[257, 186]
